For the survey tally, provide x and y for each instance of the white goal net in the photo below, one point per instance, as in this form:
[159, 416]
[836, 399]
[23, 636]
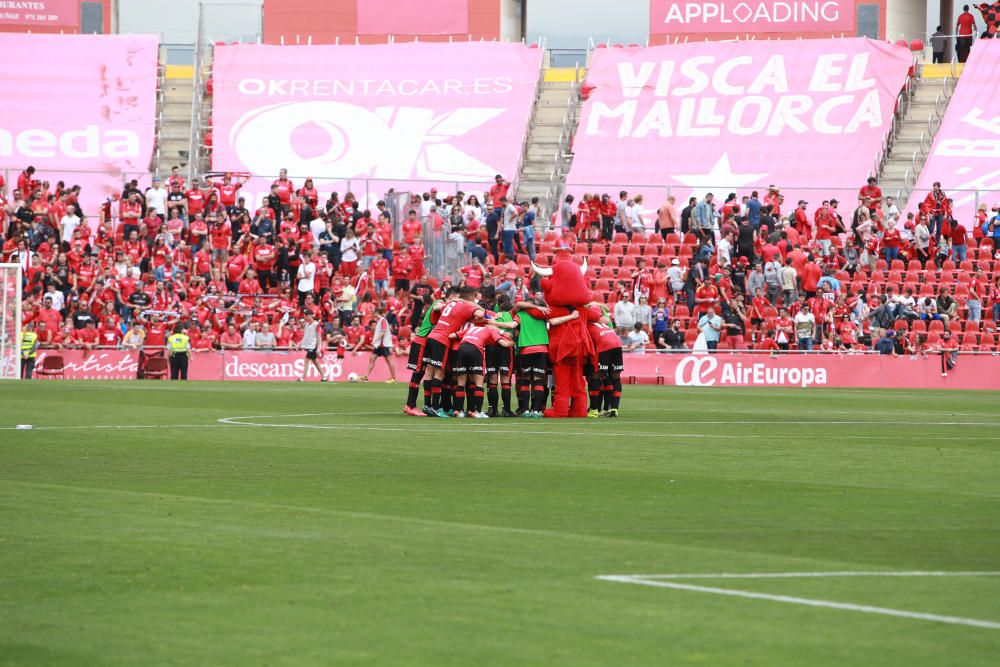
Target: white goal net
[10, 321]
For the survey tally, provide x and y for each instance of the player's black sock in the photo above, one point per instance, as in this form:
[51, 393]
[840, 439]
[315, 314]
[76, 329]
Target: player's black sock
[411, 396]
[616, 392]
[606, 391]
[478, 391]
[435, 393]
[538, 398]
[505, 395]
[460, 398]
[428, 392]
[492, 395]
[523, 397]
[594, 386]
[446, 395]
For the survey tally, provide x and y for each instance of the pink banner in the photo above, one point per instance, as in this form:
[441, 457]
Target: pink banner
[808, 116]
[814, 370]
[84, 112]
[228, 365]
[427, 17]
[691, 370]
[41, 13]
[678, 17]
[287, 366]
[966, 150]
[435, 113]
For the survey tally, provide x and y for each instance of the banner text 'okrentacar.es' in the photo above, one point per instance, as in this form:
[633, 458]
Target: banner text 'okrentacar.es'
[392, 113]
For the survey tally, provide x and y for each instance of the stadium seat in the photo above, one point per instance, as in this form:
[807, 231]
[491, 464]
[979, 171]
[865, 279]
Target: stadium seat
[919, 326]
[156, 367]
[935, 326]
[897, 265]
[53, 365]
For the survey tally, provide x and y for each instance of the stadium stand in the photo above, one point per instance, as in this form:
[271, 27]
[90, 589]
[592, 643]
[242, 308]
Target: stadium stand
[195, 252]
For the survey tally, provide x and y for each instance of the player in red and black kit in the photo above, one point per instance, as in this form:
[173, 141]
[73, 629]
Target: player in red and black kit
[452, 316]
[470, 366]
[415, 360]
[605, 381]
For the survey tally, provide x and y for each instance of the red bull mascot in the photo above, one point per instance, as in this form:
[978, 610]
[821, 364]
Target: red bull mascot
[570, 345]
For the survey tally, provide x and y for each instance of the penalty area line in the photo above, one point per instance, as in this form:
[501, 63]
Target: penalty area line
[646, 580]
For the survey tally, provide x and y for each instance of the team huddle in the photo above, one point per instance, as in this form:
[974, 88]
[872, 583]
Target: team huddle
[470, 350]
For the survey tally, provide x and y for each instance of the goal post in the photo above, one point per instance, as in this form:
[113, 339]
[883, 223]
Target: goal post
[10, 321]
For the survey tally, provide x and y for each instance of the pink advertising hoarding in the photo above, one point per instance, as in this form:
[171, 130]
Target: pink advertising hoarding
[427, 17]
[965, 156]
[815, 370]
[678, 17]
[683, 370]
[40, 14]
[395, 113]
[808, 116]
[84, 111]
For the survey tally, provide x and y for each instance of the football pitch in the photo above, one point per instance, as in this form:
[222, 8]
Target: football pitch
[149, 523]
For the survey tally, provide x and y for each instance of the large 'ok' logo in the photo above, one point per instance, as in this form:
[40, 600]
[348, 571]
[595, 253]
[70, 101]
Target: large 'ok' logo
[349, 141]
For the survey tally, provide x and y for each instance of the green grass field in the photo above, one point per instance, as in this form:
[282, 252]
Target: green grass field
[137, 528]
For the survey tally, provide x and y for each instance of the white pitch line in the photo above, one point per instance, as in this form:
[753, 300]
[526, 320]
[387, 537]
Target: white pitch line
[107, 426]
[482, 428]
[802, 575]
[809, 602]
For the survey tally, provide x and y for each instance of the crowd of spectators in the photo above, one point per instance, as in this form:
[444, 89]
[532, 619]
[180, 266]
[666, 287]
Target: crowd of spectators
[747, 272]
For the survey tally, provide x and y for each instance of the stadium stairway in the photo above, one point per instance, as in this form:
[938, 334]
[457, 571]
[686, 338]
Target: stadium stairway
[553, 122]
[175, 130]
[915, 132]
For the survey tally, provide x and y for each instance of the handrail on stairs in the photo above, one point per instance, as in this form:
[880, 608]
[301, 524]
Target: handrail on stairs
[525, 141]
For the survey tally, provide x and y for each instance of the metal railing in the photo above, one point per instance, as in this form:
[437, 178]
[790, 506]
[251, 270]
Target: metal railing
[563, 150]
[198, 86]
[526, 140]
[161, 82]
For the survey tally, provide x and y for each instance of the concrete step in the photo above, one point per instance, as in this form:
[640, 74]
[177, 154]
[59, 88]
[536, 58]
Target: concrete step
[537, 172]
[539, 153]
[178, 87]
[550, 114]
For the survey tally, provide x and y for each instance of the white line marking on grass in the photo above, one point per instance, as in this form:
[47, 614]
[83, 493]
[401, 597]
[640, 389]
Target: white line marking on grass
[479, 427]
[109, 426]
[804, 575]
[648, 580]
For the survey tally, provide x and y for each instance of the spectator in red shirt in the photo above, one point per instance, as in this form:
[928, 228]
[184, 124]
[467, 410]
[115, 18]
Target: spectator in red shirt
[130, 211]
[87, 337]
[228, 190]
[958, 241]
[26, 183]
[175, 178]
[935, 205]
[891, 241]
[412, 229]
[284, 188]
[810, 275]
[965, 28]
[195, 198]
